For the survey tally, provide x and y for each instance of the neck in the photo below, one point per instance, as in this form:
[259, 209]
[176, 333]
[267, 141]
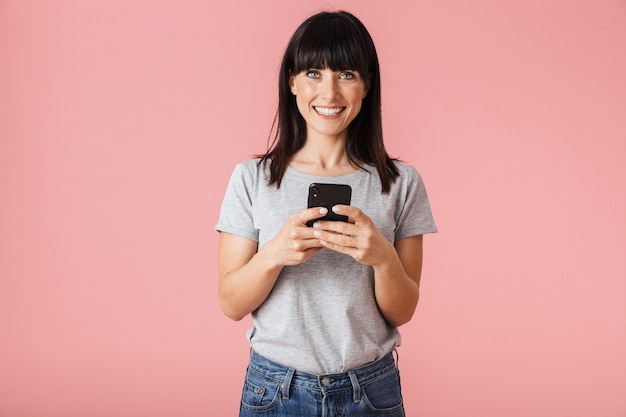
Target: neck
[322, 159]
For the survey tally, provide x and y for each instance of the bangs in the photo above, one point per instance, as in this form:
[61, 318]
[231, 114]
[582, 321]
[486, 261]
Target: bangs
[335, 44]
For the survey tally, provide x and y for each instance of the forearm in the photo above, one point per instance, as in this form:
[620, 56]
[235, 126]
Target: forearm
[244, 289]
[397, 294]
[247, 275]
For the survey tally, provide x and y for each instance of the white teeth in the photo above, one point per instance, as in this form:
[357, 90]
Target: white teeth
[328, 111]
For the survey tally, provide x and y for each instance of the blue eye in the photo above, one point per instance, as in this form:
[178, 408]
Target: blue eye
[347, 76]
[312, 74]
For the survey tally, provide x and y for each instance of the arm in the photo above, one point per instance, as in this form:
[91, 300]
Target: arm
[397, 281]
[245, 279]
[247, 275]
[397, 268]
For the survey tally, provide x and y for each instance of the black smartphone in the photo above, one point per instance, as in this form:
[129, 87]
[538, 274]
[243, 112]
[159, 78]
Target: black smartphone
[328, 195]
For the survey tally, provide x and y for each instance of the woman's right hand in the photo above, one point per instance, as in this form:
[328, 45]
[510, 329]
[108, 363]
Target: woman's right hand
[295, 243]
[247, 275]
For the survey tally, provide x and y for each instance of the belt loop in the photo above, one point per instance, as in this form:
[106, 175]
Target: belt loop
[287, 383]
[356, 388]
[397, 357]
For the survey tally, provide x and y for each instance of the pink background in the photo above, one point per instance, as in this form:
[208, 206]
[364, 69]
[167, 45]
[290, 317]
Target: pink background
[120, 122]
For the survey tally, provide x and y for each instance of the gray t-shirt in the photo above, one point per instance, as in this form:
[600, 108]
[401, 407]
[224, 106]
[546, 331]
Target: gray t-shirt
[321, 316]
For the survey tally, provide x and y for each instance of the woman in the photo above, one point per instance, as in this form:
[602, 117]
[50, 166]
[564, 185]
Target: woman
[326, 301]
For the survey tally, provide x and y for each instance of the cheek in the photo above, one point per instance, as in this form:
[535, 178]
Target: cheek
[301, 104]
[356, 111]
[357, 101]
[355, 95]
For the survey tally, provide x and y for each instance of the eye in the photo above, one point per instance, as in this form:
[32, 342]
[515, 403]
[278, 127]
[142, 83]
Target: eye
[312, 74]
[348, 75]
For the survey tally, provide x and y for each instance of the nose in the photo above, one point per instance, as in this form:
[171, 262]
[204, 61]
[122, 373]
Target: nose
[328, 87]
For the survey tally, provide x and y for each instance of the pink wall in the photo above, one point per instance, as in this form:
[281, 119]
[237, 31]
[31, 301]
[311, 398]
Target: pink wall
[120, 122]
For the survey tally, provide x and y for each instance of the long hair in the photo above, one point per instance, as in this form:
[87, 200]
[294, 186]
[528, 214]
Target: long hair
[339, 41]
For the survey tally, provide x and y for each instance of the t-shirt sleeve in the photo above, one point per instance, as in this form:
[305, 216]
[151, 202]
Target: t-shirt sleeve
[416, 217]
[236, 214]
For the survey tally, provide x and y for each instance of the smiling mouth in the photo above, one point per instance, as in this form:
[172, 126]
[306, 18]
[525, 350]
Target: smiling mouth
[329, 111]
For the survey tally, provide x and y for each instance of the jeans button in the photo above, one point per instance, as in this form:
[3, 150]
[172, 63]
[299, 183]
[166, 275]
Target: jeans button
[326, 381]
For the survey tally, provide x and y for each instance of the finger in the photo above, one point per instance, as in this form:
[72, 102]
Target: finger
[353, 213]
[336, 227]
[306, 245]
[336, 239]
[348, 250]
[303, 237]
[311, 214]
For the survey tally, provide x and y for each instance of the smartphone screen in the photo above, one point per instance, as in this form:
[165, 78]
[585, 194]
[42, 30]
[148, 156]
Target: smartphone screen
[328, 195]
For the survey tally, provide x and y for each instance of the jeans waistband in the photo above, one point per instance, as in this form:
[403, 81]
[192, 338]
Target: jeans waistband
[325, 382]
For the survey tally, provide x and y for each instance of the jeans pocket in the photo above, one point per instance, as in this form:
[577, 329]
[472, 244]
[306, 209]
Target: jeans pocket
[383, 394]
[260, 393]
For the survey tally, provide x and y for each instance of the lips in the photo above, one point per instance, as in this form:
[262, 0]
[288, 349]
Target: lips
[329, 111]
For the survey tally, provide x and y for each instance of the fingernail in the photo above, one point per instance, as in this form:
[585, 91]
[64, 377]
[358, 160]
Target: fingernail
[323, 210]
[317, 225]
[317, 233]
[336, 209]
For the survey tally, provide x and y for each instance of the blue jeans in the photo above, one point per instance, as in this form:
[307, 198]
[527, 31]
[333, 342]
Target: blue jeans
[274, 390]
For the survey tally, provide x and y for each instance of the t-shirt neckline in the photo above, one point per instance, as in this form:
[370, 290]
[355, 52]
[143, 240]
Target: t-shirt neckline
[319, 178]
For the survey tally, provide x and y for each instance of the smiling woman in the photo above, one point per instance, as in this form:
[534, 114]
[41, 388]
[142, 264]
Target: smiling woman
[326, 301]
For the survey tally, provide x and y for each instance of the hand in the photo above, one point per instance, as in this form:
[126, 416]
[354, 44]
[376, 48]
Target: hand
[295, 243]
[358, 238]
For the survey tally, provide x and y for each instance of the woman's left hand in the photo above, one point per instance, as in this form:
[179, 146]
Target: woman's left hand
[358, 238]
[397, 267]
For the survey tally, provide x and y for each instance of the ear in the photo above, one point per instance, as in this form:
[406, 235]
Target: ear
[292, 85]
